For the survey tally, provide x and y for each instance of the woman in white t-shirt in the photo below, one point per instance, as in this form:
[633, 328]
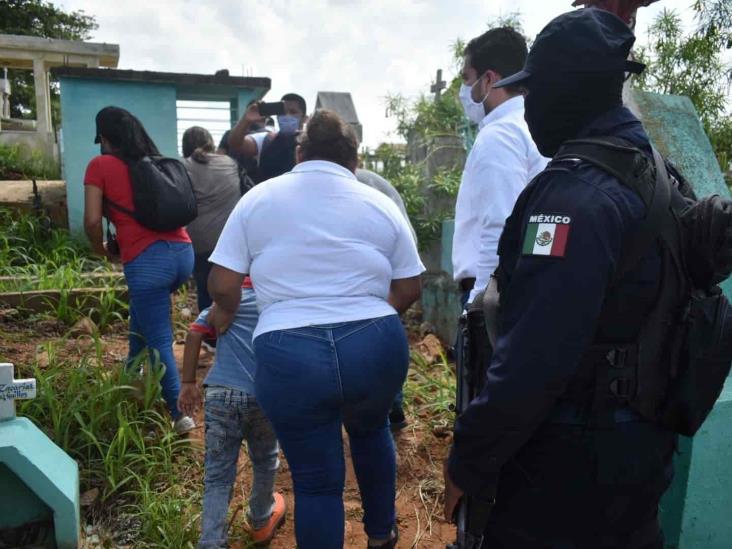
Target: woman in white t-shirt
[333, 262]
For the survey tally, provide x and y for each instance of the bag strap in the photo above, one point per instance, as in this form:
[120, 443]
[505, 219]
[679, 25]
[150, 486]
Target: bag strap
[619, 158]
[246, 183]
[117, 207]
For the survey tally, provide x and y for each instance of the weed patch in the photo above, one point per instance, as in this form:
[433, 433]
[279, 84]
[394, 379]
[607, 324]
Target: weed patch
[18, 162]
[35, 256]
[111, 421]
[430, 391]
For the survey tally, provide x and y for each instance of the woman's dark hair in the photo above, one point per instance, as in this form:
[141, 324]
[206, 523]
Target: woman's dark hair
[328, 137]
[125, 133]
[198, 143]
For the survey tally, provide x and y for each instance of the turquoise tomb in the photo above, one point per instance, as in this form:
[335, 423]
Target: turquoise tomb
[40, 482]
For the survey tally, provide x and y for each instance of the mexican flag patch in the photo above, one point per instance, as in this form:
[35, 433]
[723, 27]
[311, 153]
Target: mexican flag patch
[547, 235]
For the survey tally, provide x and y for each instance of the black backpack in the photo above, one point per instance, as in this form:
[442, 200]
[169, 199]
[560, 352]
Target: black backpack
[246, 183]
[277, 156]
[676, 370]
[162, 194]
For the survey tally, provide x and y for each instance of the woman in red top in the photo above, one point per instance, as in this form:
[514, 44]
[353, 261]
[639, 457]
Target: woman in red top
[155, 264]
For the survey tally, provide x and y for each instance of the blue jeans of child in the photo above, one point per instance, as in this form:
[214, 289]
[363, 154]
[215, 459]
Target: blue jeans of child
[233, 416]
[151, 277]
[311, 381]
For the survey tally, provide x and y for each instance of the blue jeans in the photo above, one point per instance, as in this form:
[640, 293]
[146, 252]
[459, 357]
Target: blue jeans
[311, 381]
[233, 416]
[151, 277]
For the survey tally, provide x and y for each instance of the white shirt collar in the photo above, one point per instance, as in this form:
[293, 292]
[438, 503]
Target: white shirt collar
[323, 166]
[504, 109]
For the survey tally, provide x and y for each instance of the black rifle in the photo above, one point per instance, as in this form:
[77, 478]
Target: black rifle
[472, 362]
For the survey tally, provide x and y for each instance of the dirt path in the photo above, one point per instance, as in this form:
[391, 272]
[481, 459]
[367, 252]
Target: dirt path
[419, 488]
[420, 452]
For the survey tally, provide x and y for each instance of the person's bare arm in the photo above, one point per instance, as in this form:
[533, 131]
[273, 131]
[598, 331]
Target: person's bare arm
[403, 292]
[239, 142]
[189, 397]
[93, 213]
[224, 287]
[190, 356]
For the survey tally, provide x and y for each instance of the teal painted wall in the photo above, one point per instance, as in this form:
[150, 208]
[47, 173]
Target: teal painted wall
[244, 97]
[81, 99]
[696, 509]
[675, 129]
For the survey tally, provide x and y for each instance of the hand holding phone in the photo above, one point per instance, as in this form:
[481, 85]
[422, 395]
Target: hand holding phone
[272, 109]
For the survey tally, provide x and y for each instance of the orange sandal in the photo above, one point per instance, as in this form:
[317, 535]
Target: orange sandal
[264, 535]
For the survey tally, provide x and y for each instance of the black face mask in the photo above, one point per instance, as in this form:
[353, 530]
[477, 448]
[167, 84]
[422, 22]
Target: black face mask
[559, 107]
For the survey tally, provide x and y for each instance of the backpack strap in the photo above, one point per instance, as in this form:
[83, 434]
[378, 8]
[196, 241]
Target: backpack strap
[114, 205]
[626, 162]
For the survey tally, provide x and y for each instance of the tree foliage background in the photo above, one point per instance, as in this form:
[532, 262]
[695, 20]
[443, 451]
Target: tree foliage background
[43, 19]
[692, 64]
[421, 119]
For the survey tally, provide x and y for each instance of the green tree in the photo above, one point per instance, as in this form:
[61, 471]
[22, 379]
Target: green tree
[43, 19]
[692, 64]
[428, 117]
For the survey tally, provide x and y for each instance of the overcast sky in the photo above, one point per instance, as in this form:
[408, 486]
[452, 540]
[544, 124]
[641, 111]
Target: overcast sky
[368, 48]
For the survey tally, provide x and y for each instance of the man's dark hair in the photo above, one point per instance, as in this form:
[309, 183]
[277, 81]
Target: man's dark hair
[297, 99]
[502, 50]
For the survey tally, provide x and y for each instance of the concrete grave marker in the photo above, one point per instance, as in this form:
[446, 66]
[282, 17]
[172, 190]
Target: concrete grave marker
[13, 389]
[40, 482]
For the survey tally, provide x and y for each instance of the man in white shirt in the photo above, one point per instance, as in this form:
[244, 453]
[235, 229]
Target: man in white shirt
[502, 161]
[274, 151]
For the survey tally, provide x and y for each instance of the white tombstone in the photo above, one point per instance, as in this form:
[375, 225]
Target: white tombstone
[12, 389]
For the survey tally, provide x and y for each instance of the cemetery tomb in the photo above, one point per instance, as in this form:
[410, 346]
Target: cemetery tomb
[39, 502]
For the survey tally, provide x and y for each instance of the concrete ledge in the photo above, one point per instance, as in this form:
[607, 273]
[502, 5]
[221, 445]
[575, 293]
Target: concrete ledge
[48, 472]
[42, 301]
[18, 195]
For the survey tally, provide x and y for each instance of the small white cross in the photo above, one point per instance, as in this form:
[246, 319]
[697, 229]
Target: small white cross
[13, 389]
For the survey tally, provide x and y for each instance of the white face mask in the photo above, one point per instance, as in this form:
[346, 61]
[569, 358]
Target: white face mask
[473, 110]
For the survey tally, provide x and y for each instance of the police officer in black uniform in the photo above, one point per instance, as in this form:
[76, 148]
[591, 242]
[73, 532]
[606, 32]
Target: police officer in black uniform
[562, 476]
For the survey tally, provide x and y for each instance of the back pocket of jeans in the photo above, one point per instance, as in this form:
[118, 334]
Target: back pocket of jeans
[215, 438]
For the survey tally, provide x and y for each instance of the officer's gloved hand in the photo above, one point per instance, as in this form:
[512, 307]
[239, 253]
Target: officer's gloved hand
[708, 225]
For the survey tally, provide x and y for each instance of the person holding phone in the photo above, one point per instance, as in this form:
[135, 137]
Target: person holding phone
[275, 150]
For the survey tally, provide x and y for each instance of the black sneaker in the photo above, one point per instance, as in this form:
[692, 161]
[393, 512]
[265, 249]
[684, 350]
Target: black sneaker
[391, 544]
[397, 420]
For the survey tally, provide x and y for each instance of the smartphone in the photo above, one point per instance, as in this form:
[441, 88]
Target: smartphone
[272, 109]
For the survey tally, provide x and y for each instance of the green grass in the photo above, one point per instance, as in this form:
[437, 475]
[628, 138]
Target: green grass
[429, 392]
[18, 162]
[113, 423]
[36, 256]
[27, 239]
